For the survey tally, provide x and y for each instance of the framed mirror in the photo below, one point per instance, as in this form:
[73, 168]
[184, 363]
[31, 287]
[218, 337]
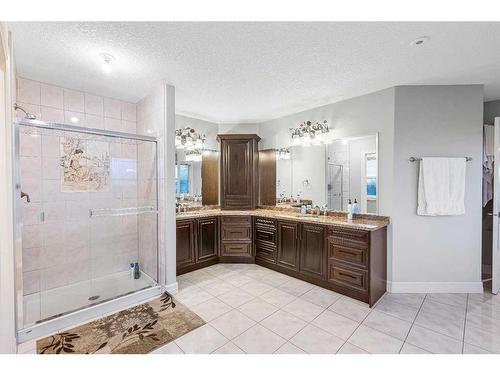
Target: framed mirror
[330, 174]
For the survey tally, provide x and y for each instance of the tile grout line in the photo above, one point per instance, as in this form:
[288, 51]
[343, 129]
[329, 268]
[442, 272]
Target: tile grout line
[413, 323]
[465, 322]
[359, 325]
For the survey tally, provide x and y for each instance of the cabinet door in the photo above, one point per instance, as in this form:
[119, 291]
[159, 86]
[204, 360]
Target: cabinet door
[239, 159]
[208, 244]
[312, 250]
[237, 173]
[186, 243]
[288, 244]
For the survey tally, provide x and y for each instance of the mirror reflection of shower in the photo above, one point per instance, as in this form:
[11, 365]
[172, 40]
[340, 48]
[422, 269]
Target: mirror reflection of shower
[27, 115]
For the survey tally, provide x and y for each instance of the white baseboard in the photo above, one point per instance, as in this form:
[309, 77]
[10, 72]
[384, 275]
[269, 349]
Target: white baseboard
[434, 287]
[171, 288]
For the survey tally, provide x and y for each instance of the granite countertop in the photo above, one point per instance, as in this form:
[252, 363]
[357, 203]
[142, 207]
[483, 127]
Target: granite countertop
[364, 222]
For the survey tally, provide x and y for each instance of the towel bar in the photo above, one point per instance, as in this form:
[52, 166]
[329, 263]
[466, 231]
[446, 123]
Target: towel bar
[101, 212]
[413, 158]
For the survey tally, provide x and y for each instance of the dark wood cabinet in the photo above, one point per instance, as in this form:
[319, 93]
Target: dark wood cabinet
[346, 260]
[265, 239]
[236, 239]
[186, 243]
[239, 159]
[312, 250]
[197, 243]
[208, 241]
[288, 244]
[357, 262]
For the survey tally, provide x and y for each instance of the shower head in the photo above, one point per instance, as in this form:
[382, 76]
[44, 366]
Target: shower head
[28, 116]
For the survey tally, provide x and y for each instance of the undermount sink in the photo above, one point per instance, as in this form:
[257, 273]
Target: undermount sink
[307, 217]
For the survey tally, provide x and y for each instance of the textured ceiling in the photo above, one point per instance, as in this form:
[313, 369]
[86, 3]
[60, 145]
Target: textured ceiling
[251, 72]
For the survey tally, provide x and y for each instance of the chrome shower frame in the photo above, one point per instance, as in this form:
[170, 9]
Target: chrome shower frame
[23, 333]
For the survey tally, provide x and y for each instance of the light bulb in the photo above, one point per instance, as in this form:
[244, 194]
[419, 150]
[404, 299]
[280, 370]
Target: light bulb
[106, 65]
[106, 68]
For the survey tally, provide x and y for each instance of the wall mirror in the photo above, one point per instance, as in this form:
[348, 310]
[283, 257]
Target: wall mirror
[196, 169]
[330, 174]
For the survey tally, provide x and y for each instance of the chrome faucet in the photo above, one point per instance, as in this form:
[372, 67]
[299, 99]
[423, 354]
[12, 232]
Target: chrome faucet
[318, 210]
[324, 208]
[180, 207]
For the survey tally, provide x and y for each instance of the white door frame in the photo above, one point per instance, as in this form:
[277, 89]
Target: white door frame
[495, 264]
[7, 274]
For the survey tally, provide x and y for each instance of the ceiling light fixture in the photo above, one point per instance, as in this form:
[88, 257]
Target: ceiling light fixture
[106, 65]
[419, 41]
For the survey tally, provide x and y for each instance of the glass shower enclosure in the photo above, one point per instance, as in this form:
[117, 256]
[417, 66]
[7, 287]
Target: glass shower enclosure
[86, 218]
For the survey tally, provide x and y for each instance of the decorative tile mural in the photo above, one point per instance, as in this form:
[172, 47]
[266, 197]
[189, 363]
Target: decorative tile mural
[86, 165]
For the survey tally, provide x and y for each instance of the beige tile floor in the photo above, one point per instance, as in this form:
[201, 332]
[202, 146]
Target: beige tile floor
[251, 309]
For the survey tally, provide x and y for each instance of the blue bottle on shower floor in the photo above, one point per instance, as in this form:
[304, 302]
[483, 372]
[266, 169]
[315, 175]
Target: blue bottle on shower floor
[137, 273]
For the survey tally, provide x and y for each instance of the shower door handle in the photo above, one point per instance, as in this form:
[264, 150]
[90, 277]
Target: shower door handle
[23, 194]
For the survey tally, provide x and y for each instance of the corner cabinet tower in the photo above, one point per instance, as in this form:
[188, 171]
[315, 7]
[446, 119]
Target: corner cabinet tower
[239, 171]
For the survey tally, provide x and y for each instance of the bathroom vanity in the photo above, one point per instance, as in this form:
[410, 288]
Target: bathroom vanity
[257, 219]
[348, 257]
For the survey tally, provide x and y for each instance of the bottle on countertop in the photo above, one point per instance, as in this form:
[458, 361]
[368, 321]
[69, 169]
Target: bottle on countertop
[303, 210]
[355, 207]
[349, 210]
[137, 272]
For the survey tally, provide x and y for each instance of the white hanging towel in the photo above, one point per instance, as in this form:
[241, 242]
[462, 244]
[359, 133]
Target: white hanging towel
[441, 186]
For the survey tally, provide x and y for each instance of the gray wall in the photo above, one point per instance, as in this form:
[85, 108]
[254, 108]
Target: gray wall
[437, 121]
[491, 110]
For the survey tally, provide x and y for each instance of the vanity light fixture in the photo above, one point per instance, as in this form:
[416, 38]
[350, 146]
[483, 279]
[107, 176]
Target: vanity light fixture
[308, 133]
[106, 65]
[193, 155]
[189, 139]
[283, 154]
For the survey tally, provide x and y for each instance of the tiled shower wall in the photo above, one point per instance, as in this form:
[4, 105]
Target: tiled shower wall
[68, 246]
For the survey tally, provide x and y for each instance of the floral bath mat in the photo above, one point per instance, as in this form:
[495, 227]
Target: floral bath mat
[138, 330]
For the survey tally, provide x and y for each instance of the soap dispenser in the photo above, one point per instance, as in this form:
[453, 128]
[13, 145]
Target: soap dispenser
[349, 210]
[355, 207]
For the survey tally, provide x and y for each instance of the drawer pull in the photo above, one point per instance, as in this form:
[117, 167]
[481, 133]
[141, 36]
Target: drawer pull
[347, 275]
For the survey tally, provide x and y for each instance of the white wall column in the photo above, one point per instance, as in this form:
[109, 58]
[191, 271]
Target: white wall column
[169, 189]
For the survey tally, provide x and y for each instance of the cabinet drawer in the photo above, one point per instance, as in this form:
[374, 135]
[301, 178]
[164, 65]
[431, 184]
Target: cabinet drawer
[349, 237]
[347, 254]
[236, 249]
[265, 235]
[348, 277]
[265, 252]
[265, 222]
[236, 233]
[237, 220]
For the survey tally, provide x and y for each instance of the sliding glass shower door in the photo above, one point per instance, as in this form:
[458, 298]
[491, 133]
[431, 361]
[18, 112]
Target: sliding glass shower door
[88, 217]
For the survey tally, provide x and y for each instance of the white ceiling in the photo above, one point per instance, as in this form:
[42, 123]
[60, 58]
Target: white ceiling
[251, 72]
